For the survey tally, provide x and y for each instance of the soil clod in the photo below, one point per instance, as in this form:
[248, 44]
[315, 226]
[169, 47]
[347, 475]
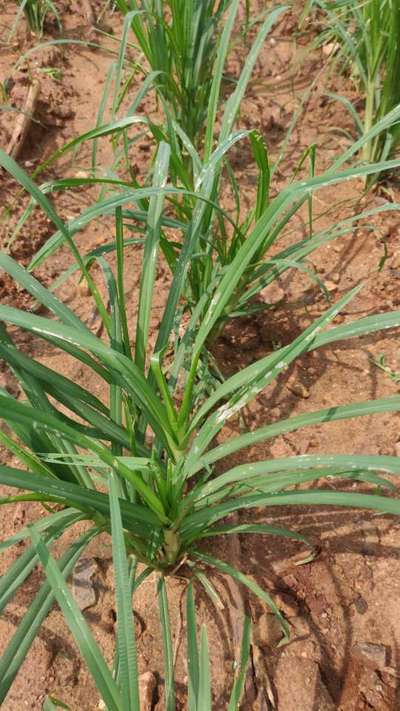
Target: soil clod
[306, 690]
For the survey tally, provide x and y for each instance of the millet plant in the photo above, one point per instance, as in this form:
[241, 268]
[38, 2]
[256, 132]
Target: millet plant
[144, 465]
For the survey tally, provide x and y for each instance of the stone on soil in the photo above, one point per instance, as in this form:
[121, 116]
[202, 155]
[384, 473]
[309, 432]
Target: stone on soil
[272, 294]
[83, 583]
[371, 655]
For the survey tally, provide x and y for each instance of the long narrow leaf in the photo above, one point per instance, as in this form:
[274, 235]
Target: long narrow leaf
[126, 643]
[17, 649]
[192, 651]
[79, 627]
[167, 645]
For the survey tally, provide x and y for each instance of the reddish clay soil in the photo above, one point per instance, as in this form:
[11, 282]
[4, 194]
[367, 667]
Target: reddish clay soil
[347, 599]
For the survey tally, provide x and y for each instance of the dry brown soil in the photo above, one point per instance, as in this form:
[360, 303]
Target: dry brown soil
[349, 595]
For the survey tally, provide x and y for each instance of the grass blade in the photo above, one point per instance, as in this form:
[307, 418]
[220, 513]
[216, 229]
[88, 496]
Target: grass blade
[52, 704]
[126, 643]
[204, 695]
[238, 687]
[148, 276]
[167, 645]
[192, 651]
[217, 78]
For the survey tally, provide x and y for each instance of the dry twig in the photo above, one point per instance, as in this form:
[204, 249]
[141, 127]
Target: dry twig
[23, 121]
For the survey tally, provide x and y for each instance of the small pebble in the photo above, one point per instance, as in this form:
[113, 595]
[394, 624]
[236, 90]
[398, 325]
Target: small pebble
[329, 48]
[298, 389]
[361, 605]
[330, 285]
[83, 584]
[84, 289]
[272, 294]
